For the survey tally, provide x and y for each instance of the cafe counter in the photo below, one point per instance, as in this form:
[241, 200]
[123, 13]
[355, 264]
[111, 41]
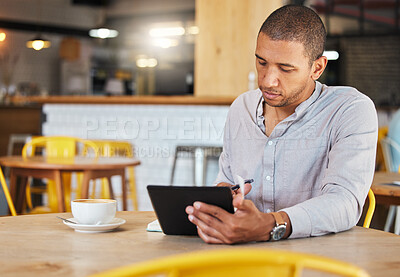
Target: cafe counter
[148, 99]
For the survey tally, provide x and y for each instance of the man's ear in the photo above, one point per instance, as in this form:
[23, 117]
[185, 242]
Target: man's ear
[318, 67]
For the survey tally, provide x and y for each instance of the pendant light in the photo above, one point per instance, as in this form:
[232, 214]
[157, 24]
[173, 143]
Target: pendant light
[102, 32]
[38, 42]
[2, 36]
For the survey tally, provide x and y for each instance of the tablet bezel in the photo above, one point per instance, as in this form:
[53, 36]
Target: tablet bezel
[170, 202]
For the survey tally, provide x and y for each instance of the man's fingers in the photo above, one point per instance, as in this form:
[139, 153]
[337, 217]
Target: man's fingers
[223, 184]
[244, 206]
[209, 212]
[207, 238]
[207, 231]
[237, 200]
[247, 188]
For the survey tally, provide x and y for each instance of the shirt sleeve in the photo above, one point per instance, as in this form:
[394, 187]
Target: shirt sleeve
[347, 178]
[225, 173]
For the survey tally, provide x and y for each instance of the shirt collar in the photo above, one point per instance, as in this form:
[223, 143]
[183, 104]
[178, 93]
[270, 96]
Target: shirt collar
[300, 109]
[260, 113]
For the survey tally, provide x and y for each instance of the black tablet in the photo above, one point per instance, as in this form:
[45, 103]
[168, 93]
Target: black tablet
[170, 202]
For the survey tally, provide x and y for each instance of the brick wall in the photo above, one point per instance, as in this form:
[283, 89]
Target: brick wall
[372, 65]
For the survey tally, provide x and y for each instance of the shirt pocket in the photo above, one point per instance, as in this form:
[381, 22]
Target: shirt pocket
[304, 162]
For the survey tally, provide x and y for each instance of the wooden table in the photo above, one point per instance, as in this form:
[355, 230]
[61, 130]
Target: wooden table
[42, 167]
[41, 245]
[386, 194]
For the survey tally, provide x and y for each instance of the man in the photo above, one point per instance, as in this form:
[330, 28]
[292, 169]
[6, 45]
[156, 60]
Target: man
[309, 148]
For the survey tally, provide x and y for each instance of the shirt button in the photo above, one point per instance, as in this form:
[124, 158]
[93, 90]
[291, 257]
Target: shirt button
[268, 178]
[270, 143]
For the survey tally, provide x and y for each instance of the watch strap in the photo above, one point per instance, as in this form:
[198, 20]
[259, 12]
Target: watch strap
[278, 219]
[278, 231]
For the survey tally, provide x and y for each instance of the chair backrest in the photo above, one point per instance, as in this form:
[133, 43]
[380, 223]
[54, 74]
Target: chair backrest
[388, 147]
[371, 209]
[7, 194]
[112, 148]
[380, 158]
[234, 263]
[58, 146]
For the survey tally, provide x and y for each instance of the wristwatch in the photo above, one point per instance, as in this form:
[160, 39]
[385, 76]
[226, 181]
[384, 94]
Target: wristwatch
[280, 228]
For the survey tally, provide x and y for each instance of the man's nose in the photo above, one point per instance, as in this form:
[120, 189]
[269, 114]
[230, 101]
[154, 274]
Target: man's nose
[269, 79]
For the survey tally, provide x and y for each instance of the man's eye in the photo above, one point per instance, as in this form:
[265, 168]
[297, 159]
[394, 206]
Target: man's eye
[286, 70]
[262, 63]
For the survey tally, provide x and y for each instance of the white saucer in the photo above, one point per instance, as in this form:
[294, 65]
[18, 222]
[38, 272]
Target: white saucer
[115, 223]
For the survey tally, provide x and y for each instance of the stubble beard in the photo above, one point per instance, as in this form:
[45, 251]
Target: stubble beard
[286, 101]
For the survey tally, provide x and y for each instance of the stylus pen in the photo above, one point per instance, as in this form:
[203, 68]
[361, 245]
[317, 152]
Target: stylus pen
[247, 181]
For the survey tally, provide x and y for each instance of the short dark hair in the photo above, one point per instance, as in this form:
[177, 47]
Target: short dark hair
[300, 24]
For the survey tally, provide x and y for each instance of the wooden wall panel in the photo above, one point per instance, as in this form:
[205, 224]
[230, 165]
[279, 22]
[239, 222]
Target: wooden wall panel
[18, 120]
[224, 52]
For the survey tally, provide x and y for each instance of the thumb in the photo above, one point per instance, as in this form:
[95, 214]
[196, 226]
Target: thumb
[238, 200]
[247, 188]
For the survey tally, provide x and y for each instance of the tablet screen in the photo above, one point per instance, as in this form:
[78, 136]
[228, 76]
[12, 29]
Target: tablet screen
[170, 202]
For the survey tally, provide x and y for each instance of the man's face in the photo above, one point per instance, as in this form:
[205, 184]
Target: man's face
[284, 72]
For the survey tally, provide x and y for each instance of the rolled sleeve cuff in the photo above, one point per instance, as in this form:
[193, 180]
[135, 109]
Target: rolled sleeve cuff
[300, 222]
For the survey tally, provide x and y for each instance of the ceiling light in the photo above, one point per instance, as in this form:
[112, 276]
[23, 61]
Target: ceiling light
[165, 42]
[2, 36]
[331, 55]
[193, 30]
[167, 32]
[146, 62]
[103, 33]
[38, 43]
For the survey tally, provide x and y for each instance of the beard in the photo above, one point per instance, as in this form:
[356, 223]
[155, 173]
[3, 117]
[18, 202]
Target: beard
[293, 96]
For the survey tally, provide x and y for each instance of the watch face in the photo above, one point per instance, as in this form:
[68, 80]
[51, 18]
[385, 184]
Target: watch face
[278, 232]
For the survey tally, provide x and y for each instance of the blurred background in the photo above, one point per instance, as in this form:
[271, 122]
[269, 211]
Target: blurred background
[153, 51]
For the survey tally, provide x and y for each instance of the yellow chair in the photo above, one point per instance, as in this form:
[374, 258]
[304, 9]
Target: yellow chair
[7, 193]
[56, 147]
[371, 209]
[113, 148]
[236, 262]
[381, 151]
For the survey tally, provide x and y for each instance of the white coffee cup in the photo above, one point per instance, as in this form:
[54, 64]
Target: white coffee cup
[94, 211]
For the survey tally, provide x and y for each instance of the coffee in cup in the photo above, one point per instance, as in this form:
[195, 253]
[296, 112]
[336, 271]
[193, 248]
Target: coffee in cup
[94, 211]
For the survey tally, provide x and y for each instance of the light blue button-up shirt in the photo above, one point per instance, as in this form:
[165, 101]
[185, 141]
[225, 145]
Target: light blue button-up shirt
[317, 165]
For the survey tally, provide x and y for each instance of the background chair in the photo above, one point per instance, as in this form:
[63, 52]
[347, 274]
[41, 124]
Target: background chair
[234, 263]
[114, 148]
[7, 194]
[380, 159]
[388, 145]
[189, 151]
[371, 209]
[56, 147]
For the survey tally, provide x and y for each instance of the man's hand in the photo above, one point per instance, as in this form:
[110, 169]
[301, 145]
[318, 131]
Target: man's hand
[215, 225]
[247, 188]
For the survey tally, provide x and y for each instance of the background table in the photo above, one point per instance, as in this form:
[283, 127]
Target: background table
[386, 194]
[43, 167]
[41, 245]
